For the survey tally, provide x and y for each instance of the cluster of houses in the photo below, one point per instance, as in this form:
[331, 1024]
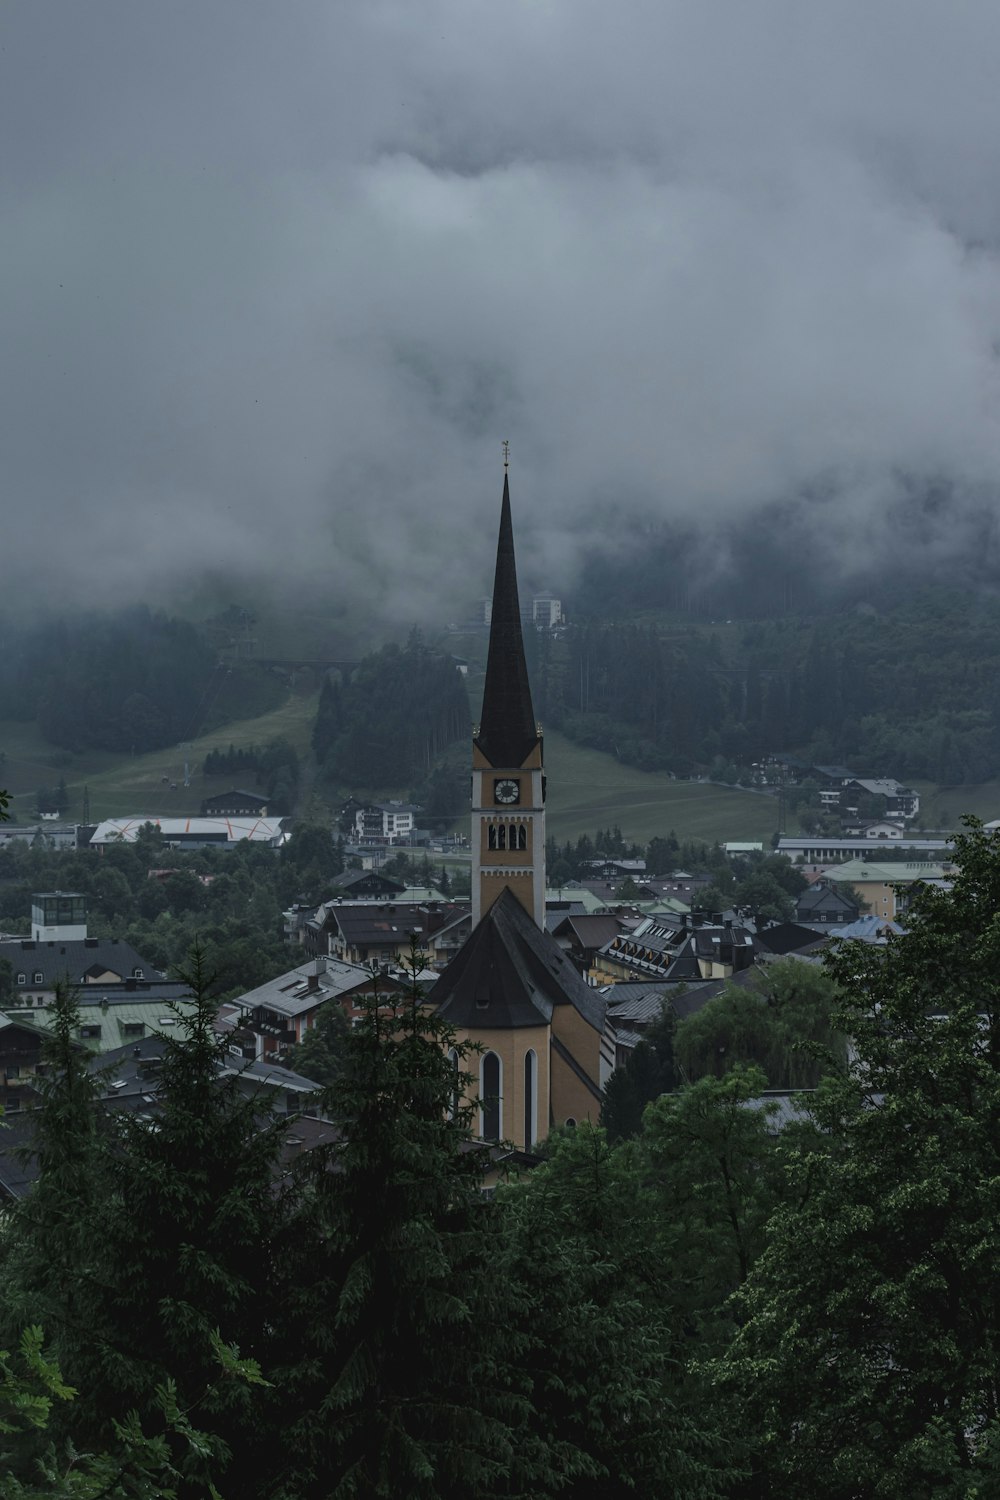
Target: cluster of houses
[875, 807]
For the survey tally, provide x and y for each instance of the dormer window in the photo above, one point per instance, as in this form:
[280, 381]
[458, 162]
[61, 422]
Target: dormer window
[22, 978]
[136, 973]
[39, 977]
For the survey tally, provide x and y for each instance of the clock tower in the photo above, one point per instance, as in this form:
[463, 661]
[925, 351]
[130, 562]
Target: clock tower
[508, 788]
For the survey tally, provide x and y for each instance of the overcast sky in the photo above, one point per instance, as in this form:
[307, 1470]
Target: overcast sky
[278, 278]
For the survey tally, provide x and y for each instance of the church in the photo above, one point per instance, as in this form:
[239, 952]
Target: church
[546, 1049]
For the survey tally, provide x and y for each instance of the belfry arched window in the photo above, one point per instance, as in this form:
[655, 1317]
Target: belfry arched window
[490, 1097]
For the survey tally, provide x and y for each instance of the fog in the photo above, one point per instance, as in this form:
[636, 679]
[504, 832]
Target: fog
[279, 278]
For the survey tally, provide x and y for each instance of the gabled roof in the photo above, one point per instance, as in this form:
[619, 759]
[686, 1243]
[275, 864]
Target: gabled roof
[789, 937]
[589, 931]
[310, 985]
[507, 729]
[824, 898]
[512, 974]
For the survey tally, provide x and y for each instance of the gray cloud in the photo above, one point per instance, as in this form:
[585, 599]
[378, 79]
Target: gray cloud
[277, 279]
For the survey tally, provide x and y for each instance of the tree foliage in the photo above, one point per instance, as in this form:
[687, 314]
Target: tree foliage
[387, 725]
[871, 1325]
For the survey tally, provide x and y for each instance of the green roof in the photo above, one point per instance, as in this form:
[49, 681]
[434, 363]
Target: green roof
[106, 1028]
[857, 871]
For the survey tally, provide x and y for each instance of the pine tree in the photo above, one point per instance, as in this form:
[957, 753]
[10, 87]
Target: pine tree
[186, 1253]
[397, 1329]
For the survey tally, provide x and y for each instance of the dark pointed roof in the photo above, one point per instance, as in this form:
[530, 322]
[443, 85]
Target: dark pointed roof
[507, 729]
[510, 973]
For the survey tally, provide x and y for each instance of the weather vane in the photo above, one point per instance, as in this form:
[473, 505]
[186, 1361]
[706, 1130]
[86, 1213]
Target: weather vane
[506, 454]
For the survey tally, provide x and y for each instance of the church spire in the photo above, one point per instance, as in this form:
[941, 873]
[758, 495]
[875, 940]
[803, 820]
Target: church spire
[507, 729]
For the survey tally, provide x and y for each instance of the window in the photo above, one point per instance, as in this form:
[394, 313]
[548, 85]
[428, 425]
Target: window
[39, 977]
[22, 978]
[522, 836]
[530, 1099]
[13, 1070]
[91, 1032]
[133, 1028]
[455, 1093]
[490, 1100]
[136, 973]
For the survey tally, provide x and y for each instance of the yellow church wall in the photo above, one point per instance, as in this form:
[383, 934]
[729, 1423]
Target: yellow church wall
[510, 1046]
[571, 1099]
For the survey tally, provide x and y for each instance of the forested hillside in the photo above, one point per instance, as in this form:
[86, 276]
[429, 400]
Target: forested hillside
[912, 693]
[396, 715]
[132, 680]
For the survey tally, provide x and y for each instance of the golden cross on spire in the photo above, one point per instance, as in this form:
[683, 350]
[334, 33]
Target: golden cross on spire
[506, 454]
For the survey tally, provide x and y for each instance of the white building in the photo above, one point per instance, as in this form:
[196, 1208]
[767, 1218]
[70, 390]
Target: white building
[385, 822]
[189, 833]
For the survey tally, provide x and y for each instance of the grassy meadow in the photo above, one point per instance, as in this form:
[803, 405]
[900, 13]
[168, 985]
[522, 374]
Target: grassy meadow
[120, 785]
[589, 789]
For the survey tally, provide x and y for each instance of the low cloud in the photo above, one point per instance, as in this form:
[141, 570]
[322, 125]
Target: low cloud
[278, 280]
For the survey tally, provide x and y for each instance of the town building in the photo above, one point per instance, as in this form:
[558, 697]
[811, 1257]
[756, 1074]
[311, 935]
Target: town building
[823, 905]
[385, 822]
[818, 848]
[886, 889]
[193, 833]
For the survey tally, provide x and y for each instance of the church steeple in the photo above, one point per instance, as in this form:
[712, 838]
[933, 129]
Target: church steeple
[508, 787]
[507, 729]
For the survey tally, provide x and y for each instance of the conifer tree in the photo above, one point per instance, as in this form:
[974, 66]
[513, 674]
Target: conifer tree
[185, 1252]
[397, 1329]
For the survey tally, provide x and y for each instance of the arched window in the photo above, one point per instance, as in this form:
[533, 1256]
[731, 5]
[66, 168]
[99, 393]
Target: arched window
[490, 1097]
[455, 1092]
[491, 834]
[530, 1099]
[522, 836]
[502, 836]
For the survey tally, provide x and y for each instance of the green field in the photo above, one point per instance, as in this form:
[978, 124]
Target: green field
[945, 806]
[589, 789]
[120, 785]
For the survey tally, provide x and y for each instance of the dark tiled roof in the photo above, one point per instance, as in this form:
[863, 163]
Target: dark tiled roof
[589, 931]
[509, 973]
[507, 729]
[823, 897]
[789, 937]
[75, 957]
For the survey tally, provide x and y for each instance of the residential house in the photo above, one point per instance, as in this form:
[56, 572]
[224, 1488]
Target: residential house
[265, 1022]
[823, 905]
[380, 932]
[886, 888]
[20, 1063]
[37, 966]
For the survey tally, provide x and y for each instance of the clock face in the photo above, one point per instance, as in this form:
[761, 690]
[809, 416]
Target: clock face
[507, 791]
